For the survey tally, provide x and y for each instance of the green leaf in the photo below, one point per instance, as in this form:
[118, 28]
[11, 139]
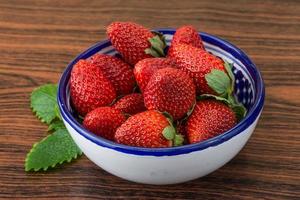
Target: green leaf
[210, 96]
[178, 141]
[162, 38]
[152, 52]
[57, 112]
[54, 149]
[223, 85]
[228, 68]
[43, 103]
[56, 125]
[218, 81]
[158, 45]
[169, 132]
[231, 99]
[240, 111]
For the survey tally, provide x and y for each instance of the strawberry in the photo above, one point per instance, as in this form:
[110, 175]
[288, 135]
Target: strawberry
[187, 35]
[104, 121]
[134, 42]
[144, 69]
[89, 88]
[209, 119]
[131, 104]
[117, 71]
[148, 129]
[197, 63]
[170, 90]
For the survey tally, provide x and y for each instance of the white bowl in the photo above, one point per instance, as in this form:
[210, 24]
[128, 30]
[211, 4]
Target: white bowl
[177, 164]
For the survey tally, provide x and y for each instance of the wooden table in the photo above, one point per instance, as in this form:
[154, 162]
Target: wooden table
[38, 38]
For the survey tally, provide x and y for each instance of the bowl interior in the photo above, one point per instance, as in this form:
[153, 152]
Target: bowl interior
[249, 91]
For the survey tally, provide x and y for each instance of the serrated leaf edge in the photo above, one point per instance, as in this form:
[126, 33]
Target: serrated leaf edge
[35, 111]
[52, 166]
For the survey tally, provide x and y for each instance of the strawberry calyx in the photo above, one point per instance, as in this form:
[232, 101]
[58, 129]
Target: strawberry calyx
[223, 84]
[220, 82]
[158, 44]
[238, 108]
[170, 132]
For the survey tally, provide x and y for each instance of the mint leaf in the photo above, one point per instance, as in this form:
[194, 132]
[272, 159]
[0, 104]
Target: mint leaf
[56, 125]
[43, 103]
[57, 147]
[54, 149]
[218, 81]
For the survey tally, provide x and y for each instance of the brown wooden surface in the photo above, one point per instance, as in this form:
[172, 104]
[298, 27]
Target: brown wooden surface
[38, 38]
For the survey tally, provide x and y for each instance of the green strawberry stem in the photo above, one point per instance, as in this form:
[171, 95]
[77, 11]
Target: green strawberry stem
[219, 81]
[223, 84]
[228, 68]
[158, 44]
[239, 110]
[231, 99]
[170, 132]
[178, 140]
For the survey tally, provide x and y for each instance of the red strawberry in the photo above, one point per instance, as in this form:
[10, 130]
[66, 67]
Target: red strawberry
[197, 63]
[209, 118]
[187, 35]
[104, 121]
[134, 42]
[117, 71]
[89, 88]
[170, 90]
[147, 129]
[144, 69]
[131, 104]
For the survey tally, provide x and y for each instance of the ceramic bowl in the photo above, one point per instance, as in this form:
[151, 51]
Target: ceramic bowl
[176, 164]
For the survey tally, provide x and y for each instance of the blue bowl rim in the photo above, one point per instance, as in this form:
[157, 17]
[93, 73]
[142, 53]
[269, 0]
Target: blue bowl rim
[251, 116]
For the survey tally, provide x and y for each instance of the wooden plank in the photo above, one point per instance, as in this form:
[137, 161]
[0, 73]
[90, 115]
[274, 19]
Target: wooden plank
[38, 38]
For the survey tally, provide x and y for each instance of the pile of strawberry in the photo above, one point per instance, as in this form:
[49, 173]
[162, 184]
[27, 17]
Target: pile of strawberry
[149, 99]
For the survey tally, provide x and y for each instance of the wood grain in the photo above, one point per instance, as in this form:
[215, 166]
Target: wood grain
[38, 38]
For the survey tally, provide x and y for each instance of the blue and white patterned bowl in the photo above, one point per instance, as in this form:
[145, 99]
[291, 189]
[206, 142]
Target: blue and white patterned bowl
[176, 164]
